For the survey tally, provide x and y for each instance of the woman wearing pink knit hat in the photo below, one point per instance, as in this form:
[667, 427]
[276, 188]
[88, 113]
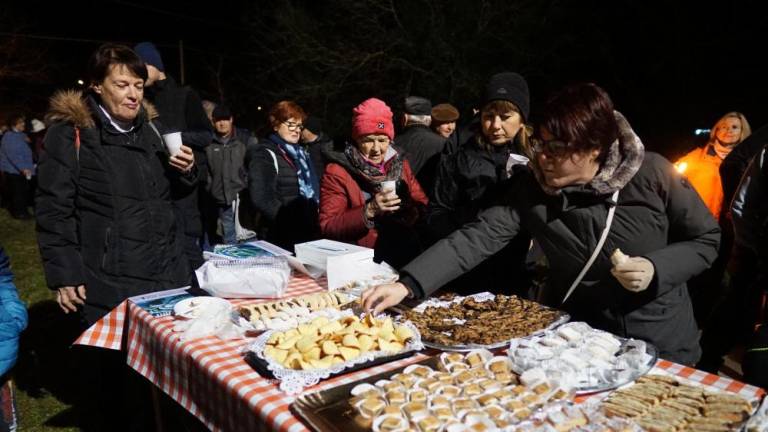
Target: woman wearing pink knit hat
[369, 195]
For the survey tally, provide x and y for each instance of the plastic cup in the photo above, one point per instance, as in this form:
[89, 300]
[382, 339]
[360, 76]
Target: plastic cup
[389, 185]
[173, 142]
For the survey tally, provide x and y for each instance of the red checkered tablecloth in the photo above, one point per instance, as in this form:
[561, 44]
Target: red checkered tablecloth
[210, 379]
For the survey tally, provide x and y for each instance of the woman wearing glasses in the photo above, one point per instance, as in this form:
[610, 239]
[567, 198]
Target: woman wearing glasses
[283, 187]
[369, 193]
[592, 190]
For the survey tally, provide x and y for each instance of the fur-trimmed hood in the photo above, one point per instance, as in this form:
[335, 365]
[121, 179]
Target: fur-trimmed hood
[71, 106]
[625, 156]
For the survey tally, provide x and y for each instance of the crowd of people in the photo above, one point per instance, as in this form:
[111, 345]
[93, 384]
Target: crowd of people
[461, 204]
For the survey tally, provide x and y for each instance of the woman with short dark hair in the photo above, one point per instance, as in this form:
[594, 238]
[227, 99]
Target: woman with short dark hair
[105, 222]
[592, 191]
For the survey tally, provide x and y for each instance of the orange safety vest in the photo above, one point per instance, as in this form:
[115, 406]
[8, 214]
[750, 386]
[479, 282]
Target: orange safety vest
[702, 169]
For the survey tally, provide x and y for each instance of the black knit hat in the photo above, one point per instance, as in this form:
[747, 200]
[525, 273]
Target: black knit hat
[221, 112]
[508, 86]
[314, 125]
[417, 105]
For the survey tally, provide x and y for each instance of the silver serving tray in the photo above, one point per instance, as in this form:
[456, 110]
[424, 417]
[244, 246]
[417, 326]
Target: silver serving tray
[650, 349]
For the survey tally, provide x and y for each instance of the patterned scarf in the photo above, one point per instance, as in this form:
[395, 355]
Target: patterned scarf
[309, 184]
[374, 173]
[721, 150]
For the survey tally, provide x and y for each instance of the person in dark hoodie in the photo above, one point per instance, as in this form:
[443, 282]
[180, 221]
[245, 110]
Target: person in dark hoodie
[226, 173]
[471, 180]
[357, 205]
[106, 225]
[592, 190]
[180, 110]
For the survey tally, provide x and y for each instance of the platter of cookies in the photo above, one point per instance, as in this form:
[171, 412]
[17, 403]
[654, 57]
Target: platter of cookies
[327, 345]
[288, 313]
[452, 391]
[664, 403]
[454, 323]
[589, 360]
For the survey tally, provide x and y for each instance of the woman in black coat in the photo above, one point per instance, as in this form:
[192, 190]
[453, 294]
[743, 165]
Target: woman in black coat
[105, 223]
[471, 180]
[283, 184]
[589, 161]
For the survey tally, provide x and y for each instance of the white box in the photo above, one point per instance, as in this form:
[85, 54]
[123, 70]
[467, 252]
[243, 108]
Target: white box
[319, 253]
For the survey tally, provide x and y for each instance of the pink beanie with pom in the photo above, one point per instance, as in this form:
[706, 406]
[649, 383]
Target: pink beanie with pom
[372, 117]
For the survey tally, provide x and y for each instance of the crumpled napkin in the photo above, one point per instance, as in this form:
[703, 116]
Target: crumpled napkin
[213, 319]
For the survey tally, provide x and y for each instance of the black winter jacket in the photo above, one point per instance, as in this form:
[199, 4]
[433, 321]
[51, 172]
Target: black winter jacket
[104, 215]
[659, 217]
[467, 182]
[180, 110]
[421, 147]
[285, 217]
[734, 166]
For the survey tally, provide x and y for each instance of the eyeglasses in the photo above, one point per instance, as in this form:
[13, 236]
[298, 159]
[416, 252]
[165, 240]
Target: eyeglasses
[294, 126]
[552, 148]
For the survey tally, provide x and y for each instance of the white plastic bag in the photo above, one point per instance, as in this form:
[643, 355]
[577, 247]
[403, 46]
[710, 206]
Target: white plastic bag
[211, 319]
[246, 278]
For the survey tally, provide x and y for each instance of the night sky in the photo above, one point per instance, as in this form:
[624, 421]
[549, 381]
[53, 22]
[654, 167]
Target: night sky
[669, 67]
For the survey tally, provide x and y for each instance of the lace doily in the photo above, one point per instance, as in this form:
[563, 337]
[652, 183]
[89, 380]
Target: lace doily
[294, 381]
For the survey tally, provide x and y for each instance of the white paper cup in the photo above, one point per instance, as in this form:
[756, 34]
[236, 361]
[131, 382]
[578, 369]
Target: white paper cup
[173, 142]
[389, 185]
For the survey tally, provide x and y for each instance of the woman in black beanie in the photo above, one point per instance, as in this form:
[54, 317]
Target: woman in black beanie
[470, 179]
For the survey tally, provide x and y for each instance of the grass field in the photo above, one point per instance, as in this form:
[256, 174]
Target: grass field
[43, 372]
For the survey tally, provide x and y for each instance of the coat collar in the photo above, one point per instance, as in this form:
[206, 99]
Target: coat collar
[625, 155]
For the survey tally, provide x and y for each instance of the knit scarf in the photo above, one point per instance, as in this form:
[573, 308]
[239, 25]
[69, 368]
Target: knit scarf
[309, 184]
[374, 173]
[722, 150]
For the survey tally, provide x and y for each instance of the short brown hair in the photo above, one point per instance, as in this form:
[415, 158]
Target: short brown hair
[582, 116]
[109, 55]
[285, 110]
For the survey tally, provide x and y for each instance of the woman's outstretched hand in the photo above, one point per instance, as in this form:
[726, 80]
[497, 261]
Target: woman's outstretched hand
[383, 296]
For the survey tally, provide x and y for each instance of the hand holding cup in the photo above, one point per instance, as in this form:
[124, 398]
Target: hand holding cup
[385, 200]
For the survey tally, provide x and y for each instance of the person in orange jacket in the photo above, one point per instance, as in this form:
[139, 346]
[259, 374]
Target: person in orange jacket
[702, 168]
[702, 165]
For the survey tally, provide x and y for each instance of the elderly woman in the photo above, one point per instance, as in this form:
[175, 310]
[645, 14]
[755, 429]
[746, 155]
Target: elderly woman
[592, 191]
[369, 193]
[471, 179]
[702, 165]
[283, 185]
[105, 220]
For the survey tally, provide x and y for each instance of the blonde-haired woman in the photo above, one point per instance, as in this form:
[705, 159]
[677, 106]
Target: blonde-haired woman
[702, 165]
